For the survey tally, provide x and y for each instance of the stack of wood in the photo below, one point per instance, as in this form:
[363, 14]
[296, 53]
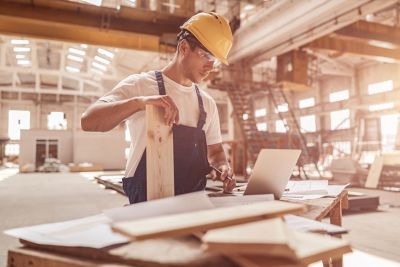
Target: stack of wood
[251, 235]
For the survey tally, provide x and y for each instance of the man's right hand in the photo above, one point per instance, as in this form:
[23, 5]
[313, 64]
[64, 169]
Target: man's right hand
[171, 113]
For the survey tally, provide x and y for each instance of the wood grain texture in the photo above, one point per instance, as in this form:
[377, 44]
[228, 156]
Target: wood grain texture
[266, 237]
[187, 223]
[374, 173]
[159, 155]
[181, 251]
[305, 248]
[28, 257]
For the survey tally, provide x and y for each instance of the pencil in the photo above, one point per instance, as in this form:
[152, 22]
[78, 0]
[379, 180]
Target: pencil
[220, 172]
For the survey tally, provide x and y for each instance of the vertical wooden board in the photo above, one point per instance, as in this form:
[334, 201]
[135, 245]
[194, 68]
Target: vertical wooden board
[159, 155]
[374, 173]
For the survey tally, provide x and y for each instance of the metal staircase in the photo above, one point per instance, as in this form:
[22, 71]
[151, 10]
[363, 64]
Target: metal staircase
[278, 97]
[244, 112]
[255, 140]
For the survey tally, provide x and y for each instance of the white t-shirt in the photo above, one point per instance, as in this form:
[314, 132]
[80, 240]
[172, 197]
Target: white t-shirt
[185, 98]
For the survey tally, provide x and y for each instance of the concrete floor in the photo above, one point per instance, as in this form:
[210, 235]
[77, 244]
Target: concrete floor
[29, 199]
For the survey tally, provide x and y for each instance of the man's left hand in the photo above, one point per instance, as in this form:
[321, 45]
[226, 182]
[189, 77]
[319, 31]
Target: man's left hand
[226, 176]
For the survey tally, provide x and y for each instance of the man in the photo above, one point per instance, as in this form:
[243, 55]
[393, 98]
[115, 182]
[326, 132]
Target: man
[204, 39]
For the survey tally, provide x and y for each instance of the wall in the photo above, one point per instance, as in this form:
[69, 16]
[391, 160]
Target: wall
[28, 145]
[378, 72]
[106, 149]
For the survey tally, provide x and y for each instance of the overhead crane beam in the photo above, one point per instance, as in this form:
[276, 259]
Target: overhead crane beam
[354, 47]
[372, 31]
[131, 28]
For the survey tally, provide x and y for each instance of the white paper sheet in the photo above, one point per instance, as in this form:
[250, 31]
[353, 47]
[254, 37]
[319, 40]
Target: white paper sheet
[306, 225]
[171, 205]
[312, 189]
[93, 231]
[307, 187]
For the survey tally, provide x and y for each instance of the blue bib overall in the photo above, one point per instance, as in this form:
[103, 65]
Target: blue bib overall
[190, 157]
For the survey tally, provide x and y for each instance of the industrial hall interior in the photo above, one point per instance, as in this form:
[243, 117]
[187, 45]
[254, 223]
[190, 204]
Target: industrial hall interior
[215, 133]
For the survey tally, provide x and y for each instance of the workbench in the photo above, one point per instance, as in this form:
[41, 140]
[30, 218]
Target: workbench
[180, 251]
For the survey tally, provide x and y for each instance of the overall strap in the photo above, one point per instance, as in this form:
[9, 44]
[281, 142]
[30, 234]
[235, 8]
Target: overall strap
[160, 82]
[161, 90]
[203, 113]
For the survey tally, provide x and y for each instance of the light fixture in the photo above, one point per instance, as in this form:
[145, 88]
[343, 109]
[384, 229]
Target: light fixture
[99, 66]
[75, 58]
[19, 42]
[72, 69]
[102, 60]
[21, 49]
[76, 51]
[84, 46]
[19, 56]
[105, 53]
[24, 62]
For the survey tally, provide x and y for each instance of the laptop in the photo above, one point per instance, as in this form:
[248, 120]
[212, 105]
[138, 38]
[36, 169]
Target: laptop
[272, 172]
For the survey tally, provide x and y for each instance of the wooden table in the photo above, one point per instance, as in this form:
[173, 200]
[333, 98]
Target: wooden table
[322, 207]
[182, 251]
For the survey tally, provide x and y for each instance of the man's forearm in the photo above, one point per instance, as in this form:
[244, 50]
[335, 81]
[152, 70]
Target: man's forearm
[217, 157]
[103, 116]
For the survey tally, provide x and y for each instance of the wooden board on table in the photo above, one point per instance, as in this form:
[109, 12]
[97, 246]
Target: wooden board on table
[302, 248]
[374, 173]
[267, 237]
[180, 251]
[159, 155]
[192, 222]
[31, 257]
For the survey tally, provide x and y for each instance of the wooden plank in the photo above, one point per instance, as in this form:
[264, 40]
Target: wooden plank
[246, 239]
[192, 222]
[306, 247]
[374, 173]
[159, 155]
[321, 207]
[29, 257]
[182, 251]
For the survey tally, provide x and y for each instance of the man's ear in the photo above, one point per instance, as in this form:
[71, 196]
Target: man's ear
[183, 47]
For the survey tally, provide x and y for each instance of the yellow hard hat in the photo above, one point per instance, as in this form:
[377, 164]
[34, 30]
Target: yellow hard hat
[213, 32]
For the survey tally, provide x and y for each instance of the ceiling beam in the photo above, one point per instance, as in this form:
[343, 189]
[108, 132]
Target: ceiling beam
[354, 47]
[73, 22]
[372, 31]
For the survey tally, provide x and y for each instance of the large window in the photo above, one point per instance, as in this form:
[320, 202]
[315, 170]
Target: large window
[382, 106]
[262, 126]
[307, 123]
[339, 96]
[341, 148]
[306, 103]
[260, 112]
[380, 87]
[282, 108]
[18, 120]
[11, 150]
[340, 119]
[280, 126]
[56, 121]
[389, 129]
